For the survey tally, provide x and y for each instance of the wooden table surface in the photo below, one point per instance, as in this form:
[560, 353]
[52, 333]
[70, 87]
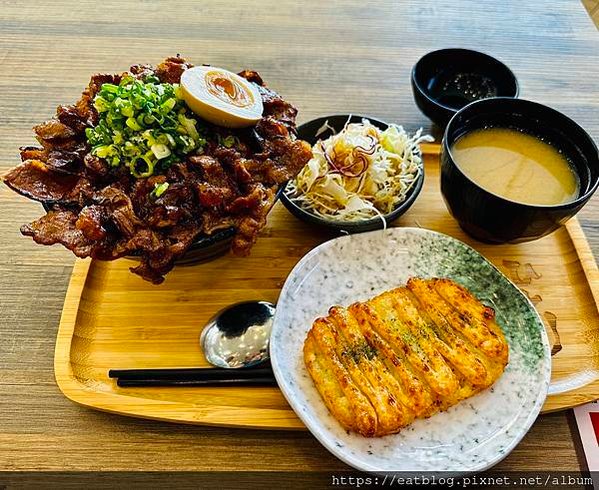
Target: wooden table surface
[326, 57]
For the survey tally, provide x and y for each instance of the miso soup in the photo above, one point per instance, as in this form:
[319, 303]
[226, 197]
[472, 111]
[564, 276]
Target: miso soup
[516, 166]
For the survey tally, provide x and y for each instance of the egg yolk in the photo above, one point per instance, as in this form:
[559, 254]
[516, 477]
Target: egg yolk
[227, 89]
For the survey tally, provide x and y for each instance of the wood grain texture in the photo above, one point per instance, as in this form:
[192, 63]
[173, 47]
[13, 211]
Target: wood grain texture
[592, 7]
[113, 319]
[326, 57]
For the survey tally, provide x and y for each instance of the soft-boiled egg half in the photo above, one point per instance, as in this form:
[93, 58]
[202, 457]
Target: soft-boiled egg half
[221, 97]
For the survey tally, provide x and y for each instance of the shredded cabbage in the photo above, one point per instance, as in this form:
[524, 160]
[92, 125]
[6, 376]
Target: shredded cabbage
[359, 173]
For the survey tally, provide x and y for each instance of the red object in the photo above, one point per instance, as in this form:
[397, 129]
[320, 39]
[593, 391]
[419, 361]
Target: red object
[595, 424]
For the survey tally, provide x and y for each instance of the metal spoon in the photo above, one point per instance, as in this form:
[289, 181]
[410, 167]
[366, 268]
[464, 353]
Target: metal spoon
[238, 335]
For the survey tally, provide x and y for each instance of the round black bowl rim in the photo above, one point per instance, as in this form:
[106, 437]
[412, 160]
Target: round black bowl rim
[401, 208]
[553, 112]
[469, 51]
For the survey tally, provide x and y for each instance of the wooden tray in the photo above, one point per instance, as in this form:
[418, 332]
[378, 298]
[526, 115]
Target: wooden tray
[113, 319]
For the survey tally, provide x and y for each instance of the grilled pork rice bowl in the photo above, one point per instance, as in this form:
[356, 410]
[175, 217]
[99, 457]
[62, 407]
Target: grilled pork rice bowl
[131, 170]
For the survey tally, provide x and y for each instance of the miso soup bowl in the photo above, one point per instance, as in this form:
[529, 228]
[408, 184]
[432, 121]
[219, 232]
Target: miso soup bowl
[494, 219]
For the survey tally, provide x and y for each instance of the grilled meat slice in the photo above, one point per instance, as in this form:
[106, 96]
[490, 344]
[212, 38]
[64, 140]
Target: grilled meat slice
[36, 180]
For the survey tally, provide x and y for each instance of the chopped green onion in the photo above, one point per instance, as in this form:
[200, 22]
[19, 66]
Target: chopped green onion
[127, 111]
[144, 125]
[117, 138]
[102, 151]
[142, 167]
[160, 151]
[110, 88]
[101, 104]
[133, 124]
[189, 126]
[229, 141]
[168, 105]
[159, 189]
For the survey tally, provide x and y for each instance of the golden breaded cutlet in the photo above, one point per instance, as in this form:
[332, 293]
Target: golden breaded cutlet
[405, 354]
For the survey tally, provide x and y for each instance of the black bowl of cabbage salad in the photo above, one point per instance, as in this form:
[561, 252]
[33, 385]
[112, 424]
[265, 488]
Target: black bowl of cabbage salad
[364, 174]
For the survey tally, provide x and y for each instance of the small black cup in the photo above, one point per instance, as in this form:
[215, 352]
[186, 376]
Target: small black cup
[446, 80]
[493, 219]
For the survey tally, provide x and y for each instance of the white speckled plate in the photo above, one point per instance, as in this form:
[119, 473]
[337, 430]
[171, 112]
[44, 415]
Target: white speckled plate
[472, 435]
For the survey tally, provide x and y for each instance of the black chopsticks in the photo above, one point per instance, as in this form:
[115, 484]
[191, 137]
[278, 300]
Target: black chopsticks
[187, 377]
[165, 382]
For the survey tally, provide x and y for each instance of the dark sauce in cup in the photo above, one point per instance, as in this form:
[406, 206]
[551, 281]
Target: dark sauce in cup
[457, 89]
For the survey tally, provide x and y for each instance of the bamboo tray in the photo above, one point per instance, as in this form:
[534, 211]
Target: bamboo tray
[113, 319]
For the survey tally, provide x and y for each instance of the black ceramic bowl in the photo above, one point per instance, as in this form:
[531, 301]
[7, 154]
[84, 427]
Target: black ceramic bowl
[307, 132]
[444, 81]
[493, 219]
[208, 247]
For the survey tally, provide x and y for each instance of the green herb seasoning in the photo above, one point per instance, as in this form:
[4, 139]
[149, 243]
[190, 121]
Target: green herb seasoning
[144, 125]
[361, 351]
